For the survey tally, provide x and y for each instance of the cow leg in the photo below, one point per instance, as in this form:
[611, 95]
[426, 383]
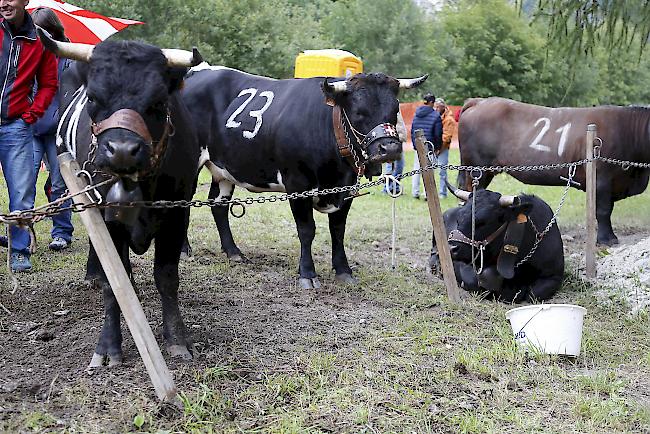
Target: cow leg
[604, 208]
[303, 214]
[544, 288]
[167, 256]
[466, 276]
[109, 347]
[224, 190]
[485, 180]
[340, 263]
[186, 250]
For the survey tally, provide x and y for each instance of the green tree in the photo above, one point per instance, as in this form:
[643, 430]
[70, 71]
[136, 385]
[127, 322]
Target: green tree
[258, 36]
[500, 55]
[582, 25]
[391, 36]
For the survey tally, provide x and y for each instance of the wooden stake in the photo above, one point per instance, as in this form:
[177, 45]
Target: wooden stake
[144, 339]
[435, 212]
[592, 229]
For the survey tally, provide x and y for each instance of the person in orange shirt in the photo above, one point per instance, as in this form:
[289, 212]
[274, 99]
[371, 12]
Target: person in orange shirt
[448, 130]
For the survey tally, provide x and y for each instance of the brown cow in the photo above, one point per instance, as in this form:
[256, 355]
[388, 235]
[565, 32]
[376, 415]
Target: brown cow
[499, 131]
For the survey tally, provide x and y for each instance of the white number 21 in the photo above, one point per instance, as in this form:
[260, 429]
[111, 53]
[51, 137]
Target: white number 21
[563, 130]
[257, 114]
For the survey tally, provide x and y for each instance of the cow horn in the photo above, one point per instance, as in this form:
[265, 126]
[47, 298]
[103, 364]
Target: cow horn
[409, 83]
[459, 193]
[506, 200]
[182, 58]
[337, 86]
[69, 50]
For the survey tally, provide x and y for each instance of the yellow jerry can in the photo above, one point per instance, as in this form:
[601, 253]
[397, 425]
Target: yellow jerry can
[327, 63]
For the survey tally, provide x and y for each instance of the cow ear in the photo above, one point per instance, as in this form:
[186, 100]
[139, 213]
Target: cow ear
[175, 77]
[520, 208]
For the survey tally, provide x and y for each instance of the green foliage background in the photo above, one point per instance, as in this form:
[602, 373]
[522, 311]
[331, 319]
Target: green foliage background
[469, 48]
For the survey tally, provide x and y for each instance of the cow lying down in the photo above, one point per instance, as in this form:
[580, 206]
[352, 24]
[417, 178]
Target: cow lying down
[506, 229]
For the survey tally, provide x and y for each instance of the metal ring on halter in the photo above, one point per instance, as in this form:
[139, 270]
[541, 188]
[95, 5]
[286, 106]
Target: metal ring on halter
[394, 190]
[98, 199]
[432, 157]
[243, 210]
[475, 178]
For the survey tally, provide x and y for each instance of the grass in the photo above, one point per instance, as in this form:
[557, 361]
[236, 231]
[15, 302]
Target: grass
[389, 355]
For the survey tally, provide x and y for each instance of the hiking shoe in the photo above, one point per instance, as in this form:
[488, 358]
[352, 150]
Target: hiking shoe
[59, 244]
[4, 241]
[20, 262]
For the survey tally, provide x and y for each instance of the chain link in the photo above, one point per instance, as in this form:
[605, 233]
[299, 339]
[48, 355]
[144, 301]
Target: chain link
[53, 208]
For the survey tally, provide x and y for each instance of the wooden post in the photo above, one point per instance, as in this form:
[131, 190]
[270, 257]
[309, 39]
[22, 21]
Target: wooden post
[121, 284]
[592, 230]
[435, 212]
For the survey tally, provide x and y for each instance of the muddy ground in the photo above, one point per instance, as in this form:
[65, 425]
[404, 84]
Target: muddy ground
[250, 317]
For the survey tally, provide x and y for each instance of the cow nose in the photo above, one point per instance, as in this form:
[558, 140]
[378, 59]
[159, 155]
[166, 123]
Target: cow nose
[453, 249]
[123, 155]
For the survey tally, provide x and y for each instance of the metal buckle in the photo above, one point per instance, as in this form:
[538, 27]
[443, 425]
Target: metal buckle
[509, 248]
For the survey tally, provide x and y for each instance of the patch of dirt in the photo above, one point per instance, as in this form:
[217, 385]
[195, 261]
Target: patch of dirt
[252, 317]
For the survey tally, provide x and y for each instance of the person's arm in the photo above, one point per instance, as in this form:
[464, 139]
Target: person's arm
[448, 127]
[46, 78]
[437, 133]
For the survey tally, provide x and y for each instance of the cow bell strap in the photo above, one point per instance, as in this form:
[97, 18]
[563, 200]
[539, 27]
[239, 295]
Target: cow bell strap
[508, 257]
[341, 140]
[124, 118]
[343, 145]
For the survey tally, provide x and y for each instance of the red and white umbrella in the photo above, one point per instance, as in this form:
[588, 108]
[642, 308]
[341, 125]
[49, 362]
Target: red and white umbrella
[82, 25]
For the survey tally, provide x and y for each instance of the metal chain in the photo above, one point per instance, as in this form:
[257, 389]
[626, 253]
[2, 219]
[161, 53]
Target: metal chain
[51, 209]
[540, 235]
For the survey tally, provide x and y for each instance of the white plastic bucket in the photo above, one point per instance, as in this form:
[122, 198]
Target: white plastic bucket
[551, 328]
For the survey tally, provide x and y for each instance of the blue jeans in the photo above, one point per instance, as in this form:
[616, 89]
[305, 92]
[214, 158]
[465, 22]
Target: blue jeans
[17, 159]
[443, 158]
[394, 168]
[45, 146]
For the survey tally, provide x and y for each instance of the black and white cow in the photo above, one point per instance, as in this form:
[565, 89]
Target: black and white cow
[121, 111]
[507, 229]
[281, 135]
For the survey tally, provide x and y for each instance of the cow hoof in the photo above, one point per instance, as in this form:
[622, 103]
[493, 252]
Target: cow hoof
[101, 360]
[239, 258]
[179, 352]
[346, 278]
[307, 283]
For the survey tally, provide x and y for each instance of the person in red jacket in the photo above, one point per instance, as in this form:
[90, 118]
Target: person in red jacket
[24, 62]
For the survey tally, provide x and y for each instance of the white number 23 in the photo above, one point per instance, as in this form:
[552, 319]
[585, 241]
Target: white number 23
[257, 114]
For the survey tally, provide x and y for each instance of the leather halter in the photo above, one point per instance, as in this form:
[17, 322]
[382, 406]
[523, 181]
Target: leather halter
[344, 146]
[457, 235]
[131, 120]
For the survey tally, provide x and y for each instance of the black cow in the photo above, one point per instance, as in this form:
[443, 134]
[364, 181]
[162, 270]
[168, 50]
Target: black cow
[499, 131]
[281, 135]
[127, 92]
[506, 231]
